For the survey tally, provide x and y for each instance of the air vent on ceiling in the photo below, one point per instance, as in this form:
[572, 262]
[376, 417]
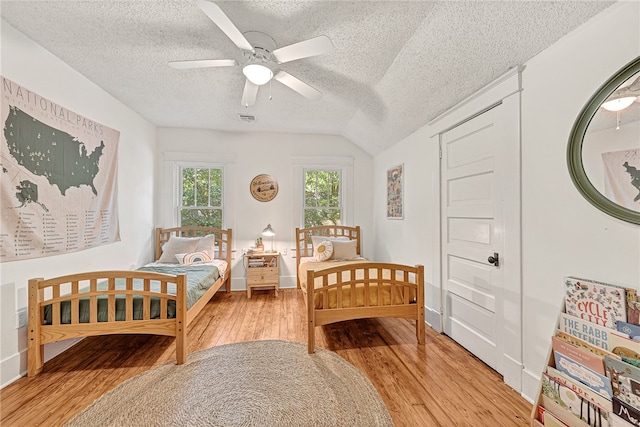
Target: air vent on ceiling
[247, 118]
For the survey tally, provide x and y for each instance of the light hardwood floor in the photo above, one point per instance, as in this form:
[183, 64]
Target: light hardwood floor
[437, 384]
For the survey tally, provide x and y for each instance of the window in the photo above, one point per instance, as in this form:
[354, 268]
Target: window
[322, 197]
[201, 197]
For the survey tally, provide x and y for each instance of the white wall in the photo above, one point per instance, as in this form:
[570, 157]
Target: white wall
[276, 154]
[34, 68]
[562, 233]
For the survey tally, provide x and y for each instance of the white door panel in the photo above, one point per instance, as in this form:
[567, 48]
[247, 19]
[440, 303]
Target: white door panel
[471, 281]
[475, 230]
[470, 169]
[470, 189]
[467, 151]
[471, 221]
[475, 320]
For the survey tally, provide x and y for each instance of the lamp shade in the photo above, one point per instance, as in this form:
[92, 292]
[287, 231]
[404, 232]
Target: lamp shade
[618, 103]
[257, 74]
[268, 231]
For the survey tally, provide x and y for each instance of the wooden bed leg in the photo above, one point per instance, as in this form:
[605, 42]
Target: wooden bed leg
[311, 324]
[420, 303]
[227, 285]
[35, 349]
[181, 319]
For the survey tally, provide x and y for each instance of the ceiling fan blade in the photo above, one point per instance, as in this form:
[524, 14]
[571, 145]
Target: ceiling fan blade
[298, 85]
[219, 18]
[635, 86]
[202, 63]
[249, 94]
[304, 49]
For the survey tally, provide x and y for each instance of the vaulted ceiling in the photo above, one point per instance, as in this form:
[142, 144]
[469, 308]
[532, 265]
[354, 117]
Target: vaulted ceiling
[395, 65]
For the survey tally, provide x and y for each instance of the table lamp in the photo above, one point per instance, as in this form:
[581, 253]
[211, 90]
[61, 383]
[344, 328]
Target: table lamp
[269, 233]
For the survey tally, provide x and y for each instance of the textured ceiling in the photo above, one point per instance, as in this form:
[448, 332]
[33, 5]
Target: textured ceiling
[396, 65]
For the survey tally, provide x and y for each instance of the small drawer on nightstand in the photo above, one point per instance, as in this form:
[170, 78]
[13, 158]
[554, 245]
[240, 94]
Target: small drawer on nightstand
[262, 275]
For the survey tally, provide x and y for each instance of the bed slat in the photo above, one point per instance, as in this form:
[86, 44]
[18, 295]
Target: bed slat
[129, 299]
[146, 306]
[163, 301]
[55, 309]
[112, 300]
[93, 301]
[75, 303]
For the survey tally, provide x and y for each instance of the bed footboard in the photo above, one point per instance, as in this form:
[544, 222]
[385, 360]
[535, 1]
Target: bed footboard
[364, 290]
[84, 304]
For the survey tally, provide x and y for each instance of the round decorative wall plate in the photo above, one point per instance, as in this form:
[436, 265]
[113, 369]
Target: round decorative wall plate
[263, 188]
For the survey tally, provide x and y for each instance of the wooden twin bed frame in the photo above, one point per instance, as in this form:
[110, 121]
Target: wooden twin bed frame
[52, 292]
[404, 283]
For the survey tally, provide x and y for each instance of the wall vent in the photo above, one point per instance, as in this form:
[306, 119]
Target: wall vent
[247, 118]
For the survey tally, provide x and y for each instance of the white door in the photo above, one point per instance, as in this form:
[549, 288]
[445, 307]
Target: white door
[472, 232]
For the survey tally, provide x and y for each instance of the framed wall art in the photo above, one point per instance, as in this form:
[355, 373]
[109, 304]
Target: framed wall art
[395, 192]
[263, 188]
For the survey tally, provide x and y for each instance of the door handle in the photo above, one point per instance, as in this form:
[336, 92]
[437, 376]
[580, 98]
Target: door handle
[495, 259]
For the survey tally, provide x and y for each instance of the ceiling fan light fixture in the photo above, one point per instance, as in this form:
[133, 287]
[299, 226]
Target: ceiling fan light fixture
[618, 103]
[257, 74]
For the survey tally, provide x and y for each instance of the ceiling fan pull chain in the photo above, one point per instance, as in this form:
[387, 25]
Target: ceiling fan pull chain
[270, 97]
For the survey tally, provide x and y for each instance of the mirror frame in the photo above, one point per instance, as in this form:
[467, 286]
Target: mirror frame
[574, 148]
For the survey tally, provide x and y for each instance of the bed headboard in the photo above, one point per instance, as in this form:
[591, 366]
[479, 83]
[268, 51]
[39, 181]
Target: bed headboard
[304, 248]
[222, 238]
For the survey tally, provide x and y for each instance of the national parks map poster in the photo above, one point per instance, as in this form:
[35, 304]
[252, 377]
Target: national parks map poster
[622, 177]
[59, 178]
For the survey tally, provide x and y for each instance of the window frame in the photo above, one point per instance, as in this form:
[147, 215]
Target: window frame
[180, 166]
[344, 164]
[341, 197]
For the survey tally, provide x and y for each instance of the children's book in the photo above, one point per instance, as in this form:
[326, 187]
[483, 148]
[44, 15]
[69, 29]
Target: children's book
[595, 302]
[625, 347]
[633, 306]
[550, 420]
[597, 382]
[625, 381]
[629, 329]
[627, 412]
[570, 402]
[579, 388]
[583, 357]
[616, 421]
[584, 345]
[592, 333]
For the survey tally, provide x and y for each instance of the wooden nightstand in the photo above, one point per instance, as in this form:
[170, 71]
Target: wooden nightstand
[263, 271]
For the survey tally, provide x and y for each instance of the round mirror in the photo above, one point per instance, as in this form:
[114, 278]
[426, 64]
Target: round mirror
[604, 146]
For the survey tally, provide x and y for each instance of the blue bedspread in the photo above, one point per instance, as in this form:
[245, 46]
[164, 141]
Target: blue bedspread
[199, 279]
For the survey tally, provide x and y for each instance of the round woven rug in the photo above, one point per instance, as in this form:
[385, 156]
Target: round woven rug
[255, 383]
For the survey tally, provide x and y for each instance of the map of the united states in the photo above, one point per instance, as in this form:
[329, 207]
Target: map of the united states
[46, 151]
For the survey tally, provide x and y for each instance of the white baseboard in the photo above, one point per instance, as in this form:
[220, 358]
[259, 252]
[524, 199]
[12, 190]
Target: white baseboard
[432, 319]
[530, 385]
[512, 372]
[14, 367]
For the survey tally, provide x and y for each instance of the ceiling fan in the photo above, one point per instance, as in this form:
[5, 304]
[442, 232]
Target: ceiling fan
[624, 96]
[262, 56]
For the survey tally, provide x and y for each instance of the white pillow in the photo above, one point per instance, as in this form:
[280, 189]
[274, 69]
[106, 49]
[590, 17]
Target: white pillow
[324, 251]
[193, 257]
[344, 249]
[177, 245]
[316, 240]
[207, 244]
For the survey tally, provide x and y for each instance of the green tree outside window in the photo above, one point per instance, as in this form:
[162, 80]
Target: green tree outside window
[201, 197]
[322, 197]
